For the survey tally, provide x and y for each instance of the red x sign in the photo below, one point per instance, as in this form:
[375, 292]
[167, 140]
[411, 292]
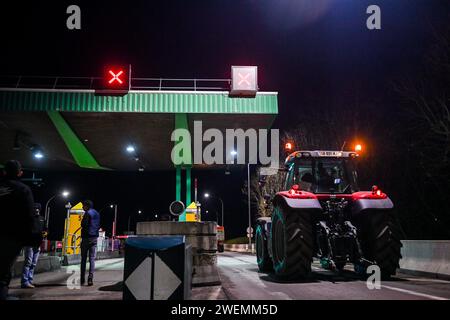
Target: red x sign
[244, 80]
[115, 76]
[116, 79]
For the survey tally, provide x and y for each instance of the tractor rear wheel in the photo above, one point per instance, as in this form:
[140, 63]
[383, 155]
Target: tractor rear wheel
[292, 243]
[262, 253]
[384, 243]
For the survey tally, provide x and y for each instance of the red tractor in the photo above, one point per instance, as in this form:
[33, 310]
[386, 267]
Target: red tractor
[323, 214]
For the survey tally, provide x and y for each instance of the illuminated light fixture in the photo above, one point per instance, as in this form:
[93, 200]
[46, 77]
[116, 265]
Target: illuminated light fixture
[116, 80]
[130, 149]
[206, 195]
[233, 153]
[38, 155]
[376, 190]
[115, 76]
[288, 146]
[295, 189]
[65, 193]
[244, 81]
[358, 148]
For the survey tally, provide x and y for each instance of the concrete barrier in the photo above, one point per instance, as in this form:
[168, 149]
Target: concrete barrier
[44, 264]
[426, 257]
[239, 247]
[202, 236]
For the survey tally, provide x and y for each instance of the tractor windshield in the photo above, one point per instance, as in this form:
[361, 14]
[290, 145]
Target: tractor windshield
[326, 175]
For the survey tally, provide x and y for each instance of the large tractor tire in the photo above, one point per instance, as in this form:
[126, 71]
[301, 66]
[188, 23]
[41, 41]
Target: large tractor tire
[262, 253]
[292, 243]
[382, 243]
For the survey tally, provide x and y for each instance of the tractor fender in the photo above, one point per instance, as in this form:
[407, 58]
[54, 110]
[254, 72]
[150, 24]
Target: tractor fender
[309, 204]
[364, 205]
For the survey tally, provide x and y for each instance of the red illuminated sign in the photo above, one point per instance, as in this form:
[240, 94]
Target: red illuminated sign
[115, 77]
[116, 80]
[244, 80]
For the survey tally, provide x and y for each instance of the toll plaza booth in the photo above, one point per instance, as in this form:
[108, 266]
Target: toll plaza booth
[72, 230]
[192, 213]
[220, 238]
[78, 124]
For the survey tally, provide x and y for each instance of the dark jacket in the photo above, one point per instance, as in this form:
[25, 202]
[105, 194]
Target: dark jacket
[16, 210]
[90, 224]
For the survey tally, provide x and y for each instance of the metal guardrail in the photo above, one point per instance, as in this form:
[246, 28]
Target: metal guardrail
[90, 83]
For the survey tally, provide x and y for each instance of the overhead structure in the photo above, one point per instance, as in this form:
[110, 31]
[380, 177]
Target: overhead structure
[77, 124]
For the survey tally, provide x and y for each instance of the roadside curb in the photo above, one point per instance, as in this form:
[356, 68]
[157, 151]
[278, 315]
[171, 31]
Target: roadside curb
[239, 248]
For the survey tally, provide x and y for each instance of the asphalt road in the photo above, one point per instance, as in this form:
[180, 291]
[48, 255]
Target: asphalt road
[241, 280]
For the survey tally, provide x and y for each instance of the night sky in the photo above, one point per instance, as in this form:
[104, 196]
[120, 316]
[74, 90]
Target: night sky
[316, 54]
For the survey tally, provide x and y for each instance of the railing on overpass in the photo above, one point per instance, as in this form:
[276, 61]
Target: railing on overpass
[56, 82]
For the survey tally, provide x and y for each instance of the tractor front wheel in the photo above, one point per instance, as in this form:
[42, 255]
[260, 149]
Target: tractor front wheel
[292, 243]
[262, 253]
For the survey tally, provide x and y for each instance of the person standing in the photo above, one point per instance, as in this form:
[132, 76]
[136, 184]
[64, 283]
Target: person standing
[90, 226]
[17, 221]
[31, 255]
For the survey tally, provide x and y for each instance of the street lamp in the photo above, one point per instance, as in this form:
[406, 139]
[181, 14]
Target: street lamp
[65, 194]
[249, 208]
[129, 219]
[115, 219]
[207, 195]
[130, 149]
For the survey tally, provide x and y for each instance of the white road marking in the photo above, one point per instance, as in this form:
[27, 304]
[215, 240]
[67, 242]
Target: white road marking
[427, 280]
[414, 293]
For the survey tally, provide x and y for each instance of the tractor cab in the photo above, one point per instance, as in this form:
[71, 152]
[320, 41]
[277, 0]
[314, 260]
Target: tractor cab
[322, 172]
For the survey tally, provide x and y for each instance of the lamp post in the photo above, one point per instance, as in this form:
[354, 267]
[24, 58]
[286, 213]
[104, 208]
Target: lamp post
[249, 208]
[65, 194]
[129, 219]
[114, 225]
[207, 195]
[66, 228]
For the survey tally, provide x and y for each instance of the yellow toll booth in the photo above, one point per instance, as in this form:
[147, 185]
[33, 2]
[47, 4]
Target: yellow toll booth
[72, 230]
[193, 213]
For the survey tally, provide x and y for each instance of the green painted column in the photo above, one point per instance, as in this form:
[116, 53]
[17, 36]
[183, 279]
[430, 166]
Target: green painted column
[178, 183]
[184, 161]
[79, 152]
[188, 185]
[182, 217]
